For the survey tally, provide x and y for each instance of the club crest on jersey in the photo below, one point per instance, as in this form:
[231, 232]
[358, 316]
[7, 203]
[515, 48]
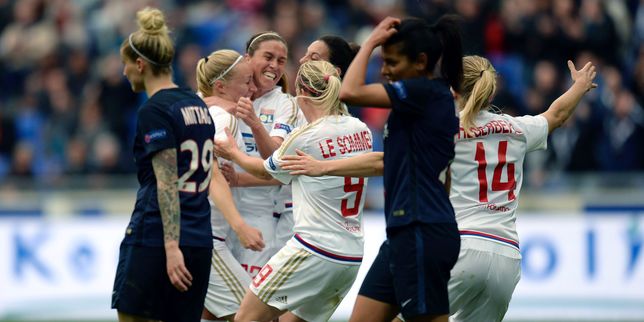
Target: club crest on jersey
[266, 115]
[154, 135]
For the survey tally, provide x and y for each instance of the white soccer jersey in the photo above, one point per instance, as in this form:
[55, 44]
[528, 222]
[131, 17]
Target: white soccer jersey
[487, 173]
[223, 119]
[327, 210]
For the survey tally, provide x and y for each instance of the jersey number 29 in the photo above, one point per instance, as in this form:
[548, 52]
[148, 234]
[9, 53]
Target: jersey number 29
[205, 160]
[497, 184]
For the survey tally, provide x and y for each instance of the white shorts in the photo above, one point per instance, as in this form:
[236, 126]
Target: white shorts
[284, 224]
[227, 284]
[252, 261]
[483, 280]
[305, 284]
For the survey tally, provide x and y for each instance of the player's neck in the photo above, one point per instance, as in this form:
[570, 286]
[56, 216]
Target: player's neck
[311, 112]
[155, 84]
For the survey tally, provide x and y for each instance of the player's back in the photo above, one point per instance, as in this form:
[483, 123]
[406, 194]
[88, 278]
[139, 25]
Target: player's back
[328, 209]
[487, 173]
[174, 118]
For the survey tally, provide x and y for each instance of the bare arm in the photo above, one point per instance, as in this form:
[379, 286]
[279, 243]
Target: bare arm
[220, 193]
[165, 168]
[266, 144]
[354, 91]
[365, 165]
[228, 150]
[561, 109]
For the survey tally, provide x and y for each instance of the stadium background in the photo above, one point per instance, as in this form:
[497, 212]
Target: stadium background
[67, 184]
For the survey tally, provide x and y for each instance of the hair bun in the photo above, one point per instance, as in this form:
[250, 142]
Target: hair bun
[151, 21]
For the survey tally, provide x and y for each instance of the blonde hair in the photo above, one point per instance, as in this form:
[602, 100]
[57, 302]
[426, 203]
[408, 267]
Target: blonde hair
[321, 81]
[219, 65]
[151, 42]
[479, 84]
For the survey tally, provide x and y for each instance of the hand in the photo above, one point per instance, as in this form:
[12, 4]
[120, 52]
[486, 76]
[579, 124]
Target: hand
[245, 111]
[250, 238]
[583, 76]
[230, 174]
[226, 148]
[179, 275]
[302, 164]
[383, 31]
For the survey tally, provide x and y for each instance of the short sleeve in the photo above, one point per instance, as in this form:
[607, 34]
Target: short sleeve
[222, 121]
[415, 95]
[156, 128]
[272, 164]
[286, 115]
[535, 129]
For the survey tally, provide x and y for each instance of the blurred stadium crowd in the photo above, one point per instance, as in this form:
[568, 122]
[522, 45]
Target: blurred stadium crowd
[65, 107]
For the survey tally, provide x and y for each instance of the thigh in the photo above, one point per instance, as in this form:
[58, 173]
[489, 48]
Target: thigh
[141, 284]
[227, 284]
[188, 305]
[421, 265]
[482, 283]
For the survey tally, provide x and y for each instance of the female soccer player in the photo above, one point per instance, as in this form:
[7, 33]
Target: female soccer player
[164, 258]
[486, 178]
[314, 271]
[333, 49]
[411, 271]
[228, 75]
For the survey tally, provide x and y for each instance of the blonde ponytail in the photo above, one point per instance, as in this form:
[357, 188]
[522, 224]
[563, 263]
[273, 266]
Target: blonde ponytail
[320, 80]
[479, 85]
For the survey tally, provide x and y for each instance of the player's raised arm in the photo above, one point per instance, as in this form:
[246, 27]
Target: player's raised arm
[354, 90]
[561, 109]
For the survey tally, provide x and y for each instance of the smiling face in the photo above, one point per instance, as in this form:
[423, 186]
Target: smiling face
[268, 63]
[318, 50]
[240, 83]
[397, 66]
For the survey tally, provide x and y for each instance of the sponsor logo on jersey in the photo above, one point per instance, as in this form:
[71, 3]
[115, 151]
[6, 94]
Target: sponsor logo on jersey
[154, 135]
[281, 126]
[266, 115]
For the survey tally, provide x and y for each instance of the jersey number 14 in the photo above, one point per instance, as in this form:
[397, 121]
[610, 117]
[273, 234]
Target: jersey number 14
[497, 184]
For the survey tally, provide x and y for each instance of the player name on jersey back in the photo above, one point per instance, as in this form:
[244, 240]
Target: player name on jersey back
[195, 115]
[491, 127]
[354, 142]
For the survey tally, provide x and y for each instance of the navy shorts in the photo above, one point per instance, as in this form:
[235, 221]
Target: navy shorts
[142, 286]
[413, 267]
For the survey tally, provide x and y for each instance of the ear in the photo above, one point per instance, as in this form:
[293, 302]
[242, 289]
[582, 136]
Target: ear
[140, 65]
[421, 62]
[218, 86]
[337, 69]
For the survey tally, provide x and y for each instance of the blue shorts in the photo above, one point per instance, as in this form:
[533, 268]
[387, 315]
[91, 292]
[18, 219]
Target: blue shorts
[413, 267]
[142, 286]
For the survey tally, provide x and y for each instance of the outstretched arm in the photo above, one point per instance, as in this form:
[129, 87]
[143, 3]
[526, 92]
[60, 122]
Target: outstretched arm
[354, 91]
[243, 179]
[228, 150]
[165, 168]
[249, 237]
[561, 109]
[365, 165]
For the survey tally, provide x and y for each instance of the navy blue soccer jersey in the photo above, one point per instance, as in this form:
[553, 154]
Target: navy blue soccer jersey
[418, 146]
[173, 119]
